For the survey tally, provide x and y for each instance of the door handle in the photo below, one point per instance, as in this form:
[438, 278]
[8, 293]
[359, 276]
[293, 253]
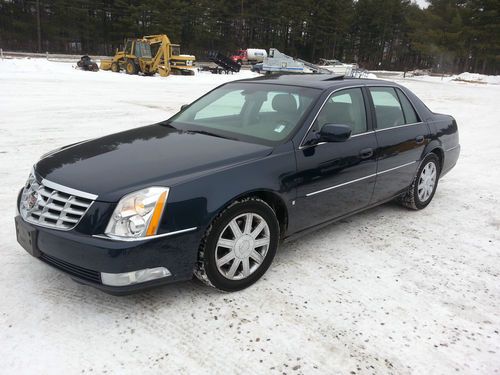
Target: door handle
[366, 153]
[420, 139]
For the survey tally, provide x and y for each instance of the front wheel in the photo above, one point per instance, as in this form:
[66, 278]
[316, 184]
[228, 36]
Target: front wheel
[131, 68]
[423, 188]
[239, 246]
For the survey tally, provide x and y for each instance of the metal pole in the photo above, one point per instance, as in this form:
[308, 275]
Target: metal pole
[38, 28]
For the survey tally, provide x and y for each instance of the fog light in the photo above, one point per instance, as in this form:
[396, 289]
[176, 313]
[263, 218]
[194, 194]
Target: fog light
[134, 277]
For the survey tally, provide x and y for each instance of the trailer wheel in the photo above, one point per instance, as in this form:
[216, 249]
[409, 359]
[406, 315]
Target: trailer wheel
[131, 68]
[115, 67]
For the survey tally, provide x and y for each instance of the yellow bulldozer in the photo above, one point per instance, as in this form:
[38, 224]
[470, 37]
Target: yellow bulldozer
[150, 55]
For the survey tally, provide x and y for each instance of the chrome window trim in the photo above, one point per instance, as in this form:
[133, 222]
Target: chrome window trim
[359, 179]
[411, 103]
[68, 190]
[302, 146]
[360, 134]
[352, 136]
[404, 93]
[375, 130]
[131, 239]
[399, 126]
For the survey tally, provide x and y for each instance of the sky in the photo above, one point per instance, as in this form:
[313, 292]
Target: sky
[422, 3]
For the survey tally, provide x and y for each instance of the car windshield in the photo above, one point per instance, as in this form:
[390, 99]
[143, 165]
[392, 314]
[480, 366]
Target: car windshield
[252, 112]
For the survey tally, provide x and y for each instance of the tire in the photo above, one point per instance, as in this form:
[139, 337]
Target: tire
[420, 193]
[130, 67]
[245, 261]
[115, 67]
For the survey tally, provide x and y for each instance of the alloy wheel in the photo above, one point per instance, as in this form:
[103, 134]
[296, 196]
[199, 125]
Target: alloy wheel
[427, 181]
[242, 246]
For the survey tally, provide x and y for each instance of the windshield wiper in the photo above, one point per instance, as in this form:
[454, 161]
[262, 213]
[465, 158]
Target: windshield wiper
[211, 134]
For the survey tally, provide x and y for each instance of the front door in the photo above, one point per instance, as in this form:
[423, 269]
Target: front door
[336, 178]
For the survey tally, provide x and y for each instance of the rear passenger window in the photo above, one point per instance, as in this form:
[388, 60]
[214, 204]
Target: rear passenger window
[387, 107]
[410, 114]
[344, 107]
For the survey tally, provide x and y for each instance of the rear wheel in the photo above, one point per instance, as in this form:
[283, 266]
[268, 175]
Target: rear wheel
[239, 246]
[115, 67]
[423, 188]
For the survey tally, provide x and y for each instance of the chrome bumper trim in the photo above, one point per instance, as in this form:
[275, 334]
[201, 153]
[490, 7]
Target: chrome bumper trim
[131, 239]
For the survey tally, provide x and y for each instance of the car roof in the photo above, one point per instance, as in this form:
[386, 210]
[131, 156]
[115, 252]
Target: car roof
[318, 81]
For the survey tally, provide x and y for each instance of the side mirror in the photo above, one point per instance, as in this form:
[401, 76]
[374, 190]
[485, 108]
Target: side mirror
[334, 133]
[184, 106]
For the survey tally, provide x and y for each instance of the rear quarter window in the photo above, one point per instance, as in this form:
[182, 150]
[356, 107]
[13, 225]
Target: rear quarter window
[411, 116]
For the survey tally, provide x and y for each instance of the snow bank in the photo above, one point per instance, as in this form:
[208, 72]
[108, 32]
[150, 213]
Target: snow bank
[477, 78]
[385, 291]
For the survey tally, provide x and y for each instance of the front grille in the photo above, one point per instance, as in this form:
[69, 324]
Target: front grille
[83, 273]
[48, 207]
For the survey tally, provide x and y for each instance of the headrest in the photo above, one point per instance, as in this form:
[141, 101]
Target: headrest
[284, 103]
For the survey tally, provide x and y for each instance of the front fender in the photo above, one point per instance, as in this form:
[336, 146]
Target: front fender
[197, 202]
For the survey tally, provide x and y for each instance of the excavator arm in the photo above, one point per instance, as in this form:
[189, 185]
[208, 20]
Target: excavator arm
[161, 60]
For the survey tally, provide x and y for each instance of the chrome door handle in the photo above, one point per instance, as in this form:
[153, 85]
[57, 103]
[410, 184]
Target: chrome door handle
[420, 139]
[366, 153]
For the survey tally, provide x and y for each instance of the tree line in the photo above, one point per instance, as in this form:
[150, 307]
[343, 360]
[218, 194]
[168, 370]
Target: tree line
[447, 36]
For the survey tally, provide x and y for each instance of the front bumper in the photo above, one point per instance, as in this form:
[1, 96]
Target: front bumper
[84, 257]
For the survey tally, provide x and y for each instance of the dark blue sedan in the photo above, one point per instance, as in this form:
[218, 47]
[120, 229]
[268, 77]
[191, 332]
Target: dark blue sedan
[215, 189]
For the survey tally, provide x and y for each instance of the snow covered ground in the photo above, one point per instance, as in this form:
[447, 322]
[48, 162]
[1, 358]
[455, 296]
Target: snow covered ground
[385, 291]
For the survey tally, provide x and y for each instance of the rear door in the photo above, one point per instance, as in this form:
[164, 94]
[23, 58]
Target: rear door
[401, 138]
[336, 178]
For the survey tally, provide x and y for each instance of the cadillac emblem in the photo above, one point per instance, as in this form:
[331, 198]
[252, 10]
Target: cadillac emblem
[31, 200]
[30, 196]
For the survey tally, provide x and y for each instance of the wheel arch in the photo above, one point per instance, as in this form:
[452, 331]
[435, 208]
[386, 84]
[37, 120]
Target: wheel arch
[274, 200]
[440, 154]
[437, 149]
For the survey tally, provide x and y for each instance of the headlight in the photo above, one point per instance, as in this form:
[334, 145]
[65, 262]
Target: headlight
[138, 214]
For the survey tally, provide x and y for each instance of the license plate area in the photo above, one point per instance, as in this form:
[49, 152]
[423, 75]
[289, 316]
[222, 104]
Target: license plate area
[27, 237]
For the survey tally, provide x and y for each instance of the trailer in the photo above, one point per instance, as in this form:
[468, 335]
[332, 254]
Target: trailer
[224, 63]
[277, 61]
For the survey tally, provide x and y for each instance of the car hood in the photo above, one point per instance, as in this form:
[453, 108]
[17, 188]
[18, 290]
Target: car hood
[115, 165]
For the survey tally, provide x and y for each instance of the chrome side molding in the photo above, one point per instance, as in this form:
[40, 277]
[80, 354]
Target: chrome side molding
[359, 179]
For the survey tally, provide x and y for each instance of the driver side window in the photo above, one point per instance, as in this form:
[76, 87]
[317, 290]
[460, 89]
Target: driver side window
[345, 107]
